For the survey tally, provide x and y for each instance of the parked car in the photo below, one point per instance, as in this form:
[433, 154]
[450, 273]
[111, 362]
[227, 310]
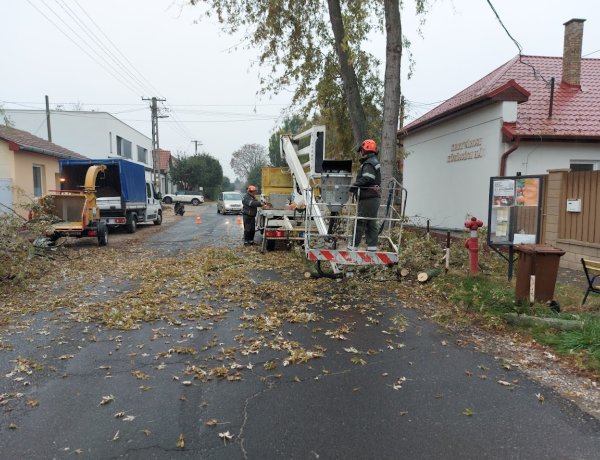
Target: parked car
[193, 197]
[229, 202]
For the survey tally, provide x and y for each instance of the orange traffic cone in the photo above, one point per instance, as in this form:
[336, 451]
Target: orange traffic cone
[238, 220]
[198, 219]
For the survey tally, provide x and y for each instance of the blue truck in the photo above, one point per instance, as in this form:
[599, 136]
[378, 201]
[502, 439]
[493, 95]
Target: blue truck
[123, 195]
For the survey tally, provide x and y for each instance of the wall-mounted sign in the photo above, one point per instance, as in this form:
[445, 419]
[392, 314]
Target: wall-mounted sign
[466, 150]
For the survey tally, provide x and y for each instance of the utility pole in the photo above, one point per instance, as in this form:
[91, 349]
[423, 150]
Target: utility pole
[196, 143]
[155, 144]
[48, 119]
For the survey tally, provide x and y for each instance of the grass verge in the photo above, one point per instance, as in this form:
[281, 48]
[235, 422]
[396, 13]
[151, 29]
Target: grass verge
[484, 298]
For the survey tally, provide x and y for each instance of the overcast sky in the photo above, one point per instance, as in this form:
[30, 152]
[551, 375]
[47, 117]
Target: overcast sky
[209, 81]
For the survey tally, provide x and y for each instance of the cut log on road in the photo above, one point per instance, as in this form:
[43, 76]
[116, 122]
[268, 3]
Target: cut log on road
[426, 276]
[556, 323]
[404, 272]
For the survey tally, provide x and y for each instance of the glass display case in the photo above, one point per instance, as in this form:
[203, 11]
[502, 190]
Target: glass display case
[514, 210]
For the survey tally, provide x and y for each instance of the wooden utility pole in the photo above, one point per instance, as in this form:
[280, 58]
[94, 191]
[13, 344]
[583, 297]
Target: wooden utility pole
[48, 119]
[196, 143]
[155, 144]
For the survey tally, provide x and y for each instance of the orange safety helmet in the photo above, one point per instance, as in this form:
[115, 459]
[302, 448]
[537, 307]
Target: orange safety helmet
[251, 188]
[368, 145]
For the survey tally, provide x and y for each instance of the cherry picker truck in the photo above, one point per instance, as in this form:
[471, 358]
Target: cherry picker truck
[321, 215]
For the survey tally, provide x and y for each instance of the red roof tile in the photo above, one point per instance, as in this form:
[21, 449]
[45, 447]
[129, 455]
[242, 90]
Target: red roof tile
[164, 159]
[27, 141]
[576, 111]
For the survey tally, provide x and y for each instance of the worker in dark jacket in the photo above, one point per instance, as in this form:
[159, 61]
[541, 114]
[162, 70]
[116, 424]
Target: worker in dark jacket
[367, 189]
[250, 207]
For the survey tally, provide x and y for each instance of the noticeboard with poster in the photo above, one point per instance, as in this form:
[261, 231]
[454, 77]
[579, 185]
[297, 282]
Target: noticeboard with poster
[514, 210]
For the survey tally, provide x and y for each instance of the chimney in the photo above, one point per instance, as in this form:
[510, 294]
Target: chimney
[571, 68]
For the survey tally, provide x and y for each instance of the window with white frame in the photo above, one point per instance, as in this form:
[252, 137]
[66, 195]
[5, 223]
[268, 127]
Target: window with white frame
[123, 147]
[38, 185]
[585, 165]
[142, 154]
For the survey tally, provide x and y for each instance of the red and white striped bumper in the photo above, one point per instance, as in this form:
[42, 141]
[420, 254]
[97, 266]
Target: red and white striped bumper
[353, 257]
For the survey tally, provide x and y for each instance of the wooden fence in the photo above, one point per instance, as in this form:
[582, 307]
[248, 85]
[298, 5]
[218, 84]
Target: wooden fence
[581, 226]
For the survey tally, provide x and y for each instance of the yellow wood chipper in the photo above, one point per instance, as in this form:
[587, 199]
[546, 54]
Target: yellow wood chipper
[76, 210]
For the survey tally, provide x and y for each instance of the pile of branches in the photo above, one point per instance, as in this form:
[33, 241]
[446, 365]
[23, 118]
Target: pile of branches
[23, 246]
[421, 252]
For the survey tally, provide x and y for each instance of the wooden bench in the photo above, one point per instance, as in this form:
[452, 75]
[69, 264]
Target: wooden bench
[592, 272]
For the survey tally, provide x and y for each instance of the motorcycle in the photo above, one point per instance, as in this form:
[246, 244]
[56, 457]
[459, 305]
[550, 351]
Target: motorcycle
[179, 209]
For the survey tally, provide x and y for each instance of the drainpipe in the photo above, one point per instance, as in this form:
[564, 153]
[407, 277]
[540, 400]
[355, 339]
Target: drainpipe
[505, 155]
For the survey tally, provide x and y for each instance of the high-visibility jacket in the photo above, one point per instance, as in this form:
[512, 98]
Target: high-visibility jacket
[250, 205]
[368, 179]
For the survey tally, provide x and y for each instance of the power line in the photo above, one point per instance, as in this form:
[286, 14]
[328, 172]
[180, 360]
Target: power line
[91, 48]
[178, 123]
[100, 104]
[100, 50]
[90, 33]
[180, 126]
[504, 27]
[154, 90]
[535, 72]
[589, 54]
[92, 113]
[107, 69]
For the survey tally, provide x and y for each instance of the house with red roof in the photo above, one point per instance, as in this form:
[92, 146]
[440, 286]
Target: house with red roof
[28, 168]
[531, 115]
[165, 161]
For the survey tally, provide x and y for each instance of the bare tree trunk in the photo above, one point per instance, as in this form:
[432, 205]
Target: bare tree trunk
[391, 96]
[358, 119]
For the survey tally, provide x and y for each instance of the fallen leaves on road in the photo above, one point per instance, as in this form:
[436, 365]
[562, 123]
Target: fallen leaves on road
[360, 361]
[106, 400]
[398, 383]
[181, 441]
[226, 436]
[140, 375]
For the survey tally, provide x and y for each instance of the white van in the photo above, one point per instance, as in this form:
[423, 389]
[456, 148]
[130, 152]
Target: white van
[229, 202]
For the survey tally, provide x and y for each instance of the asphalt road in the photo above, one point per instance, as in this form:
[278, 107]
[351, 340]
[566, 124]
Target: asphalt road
[386, 392]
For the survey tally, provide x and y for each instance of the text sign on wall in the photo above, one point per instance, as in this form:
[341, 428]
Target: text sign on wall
[466, 150]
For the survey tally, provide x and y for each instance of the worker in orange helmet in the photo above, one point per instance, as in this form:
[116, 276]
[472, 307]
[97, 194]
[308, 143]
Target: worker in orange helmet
[367, 190]
[250, 207]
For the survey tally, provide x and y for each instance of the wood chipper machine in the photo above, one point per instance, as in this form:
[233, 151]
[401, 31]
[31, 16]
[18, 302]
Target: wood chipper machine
[76, 211]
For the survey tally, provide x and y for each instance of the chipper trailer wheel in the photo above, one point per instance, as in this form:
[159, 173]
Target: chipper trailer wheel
[102, 234]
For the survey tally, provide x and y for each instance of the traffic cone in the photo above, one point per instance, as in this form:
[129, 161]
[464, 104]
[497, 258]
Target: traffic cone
[198, 219]
[238, 220]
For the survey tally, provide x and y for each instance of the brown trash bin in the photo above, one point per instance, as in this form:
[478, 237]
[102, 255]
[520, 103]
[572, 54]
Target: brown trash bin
[542, 261]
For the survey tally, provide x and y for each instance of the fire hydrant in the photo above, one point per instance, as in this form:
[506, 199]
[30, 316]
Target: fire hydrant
[472, 244]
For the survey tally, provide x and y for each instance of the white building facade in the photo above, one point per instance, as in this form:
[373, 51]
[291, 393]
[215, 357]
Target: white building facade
[530, 115]
[448, 166]
[96, 135]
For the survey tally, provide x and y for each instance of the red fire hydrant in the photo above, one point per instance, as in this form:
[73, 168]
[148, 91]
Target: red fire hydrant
[472, 243]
